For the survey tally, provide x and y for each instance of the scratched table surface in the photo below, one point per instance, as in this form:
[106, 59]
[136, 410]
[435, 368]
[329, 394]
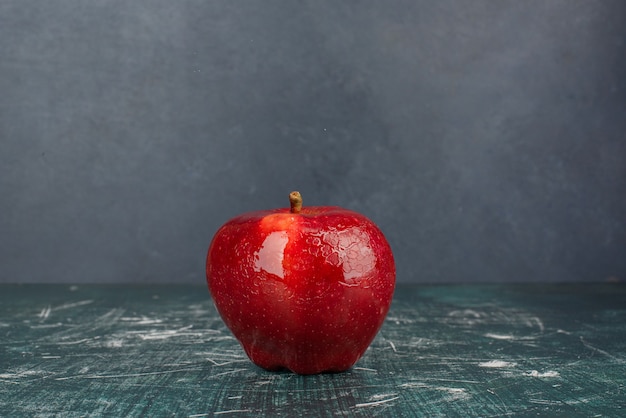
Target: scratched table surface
[475, 350]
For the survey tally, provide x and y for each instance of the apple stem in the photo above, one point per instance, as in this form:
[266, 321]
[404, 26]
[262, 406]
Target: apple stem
[295, 199]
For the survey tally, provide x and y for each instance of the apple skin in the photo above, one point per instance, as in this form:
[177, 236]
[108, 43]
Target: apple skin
[303, 291]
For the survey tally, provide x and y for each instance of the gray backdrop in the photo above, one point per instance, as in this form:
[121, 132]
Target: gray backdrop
[486, 138]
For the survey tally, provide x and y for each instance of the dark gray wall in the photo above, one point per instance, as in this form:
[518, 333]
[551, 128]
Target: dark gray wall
[486, 138]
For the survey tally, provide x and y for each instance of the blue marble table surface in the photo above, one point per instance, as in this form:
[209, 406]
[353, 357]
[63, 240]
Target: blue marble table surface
[444, 350]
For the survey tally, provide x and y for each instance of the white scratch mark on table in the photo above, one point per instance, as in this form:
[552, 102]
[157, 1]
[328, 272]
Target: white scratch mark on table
[114, 343]
[219, 354]
[508, 337]
[44, 326]
[162, 335]
[142, 320]
[455, 394]
[366, 369]
[84, 340]
[549, 373]
[20, 374]
[126, 375]
[72, 305]
[229, 372]
[544, 402]
[598, 350]
[537, 321]
[497, 364]
[452, 380]
[505, 408]
[225, 363]
[375, 403]
[45, 312]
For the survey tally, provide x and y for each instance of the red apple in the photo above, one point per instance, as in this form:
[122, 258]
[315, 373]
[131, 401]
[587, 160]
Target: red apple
[302, 288]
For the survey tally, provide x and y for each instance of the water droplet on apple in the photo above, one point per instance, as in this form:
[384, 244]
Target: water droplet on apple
[333, 259]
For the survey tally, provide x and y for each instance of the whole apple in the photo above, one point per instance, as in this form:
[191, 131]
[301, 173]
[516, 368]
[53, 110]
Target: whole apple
[302, 288]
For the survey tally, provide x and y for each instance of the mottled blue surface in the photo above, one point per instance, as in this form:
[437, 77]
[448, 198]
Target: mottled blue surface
[443, 351]
[486, 139]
